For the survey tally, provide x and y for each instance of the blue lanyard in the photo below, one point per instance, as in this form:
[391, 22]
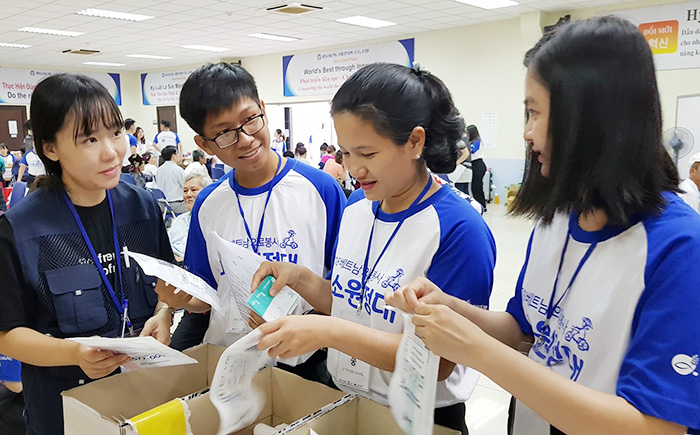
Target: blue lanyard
[552, 306]
[122, 307]
[368, 274]
[254, 243]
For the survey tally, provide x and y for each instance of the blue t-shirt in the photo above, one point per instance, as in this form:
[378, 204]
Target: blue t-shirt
[628, 326]
[132, 140]
[300, 226]
[443, 238]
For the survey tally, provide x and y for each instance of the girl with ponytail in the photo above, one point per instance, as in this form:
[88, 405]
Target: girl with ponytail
[393, 124]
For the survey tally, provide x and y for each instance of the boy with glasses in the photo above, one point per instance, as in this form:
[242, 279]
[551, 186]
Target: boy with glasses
[259, 204]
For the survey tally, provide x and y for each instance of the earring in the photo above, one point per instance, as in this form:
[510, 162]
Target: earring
[417, 156]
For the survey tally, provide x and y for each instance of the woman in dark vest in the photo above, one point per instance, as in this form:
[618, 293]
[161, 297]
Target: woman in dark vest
[51, 242]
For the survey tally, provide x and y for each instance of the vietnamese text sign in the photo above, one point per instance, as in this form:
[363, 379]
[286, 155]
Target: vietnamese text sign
[672, 31]
[163, 88]
[17, 85]
[322, 73]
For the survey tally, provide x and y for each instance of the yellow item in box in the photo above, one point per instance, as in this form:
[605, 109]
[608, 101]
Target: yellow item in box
[170, 418]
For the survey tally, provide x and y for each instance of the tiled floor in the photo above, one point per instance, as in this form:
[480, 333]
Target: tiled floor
[487, 410]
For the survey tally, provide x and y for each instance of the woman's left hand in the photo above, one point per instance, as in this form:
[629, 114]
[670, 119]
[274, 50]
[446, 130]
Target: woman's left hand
[449, 335]
[158, 327]
[292, 336]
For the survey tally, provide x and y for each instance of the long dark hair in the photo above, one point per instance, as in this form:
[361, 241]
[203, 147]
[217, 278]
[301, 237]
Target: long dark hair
[396, 99]
[63, 98]
[604, 125]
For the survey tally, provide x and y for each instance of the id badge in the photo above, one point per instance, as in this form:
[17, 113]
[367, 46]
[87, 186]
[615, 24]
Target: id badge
[351, 371]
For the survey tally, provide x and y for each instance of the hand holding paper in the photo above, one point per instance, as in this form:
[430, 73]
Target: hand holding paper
[178, 277]
[144, 351]
[232, 391]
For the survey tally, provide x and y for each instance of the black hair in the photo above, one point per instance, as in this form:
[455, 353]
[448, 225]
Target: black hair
[168, 152]
[604, 125]
[213, 88]
[324, 147]
[165, 123]
[63, 98]
[339, 157]
[28, 124]
[128, 122]
[278, 131]
[396, 99]
[2, 145]
[196, 155]
[472, 133]
[143, 138]
[146, 156]
[288, 154]
[330, 149]
[300, 149]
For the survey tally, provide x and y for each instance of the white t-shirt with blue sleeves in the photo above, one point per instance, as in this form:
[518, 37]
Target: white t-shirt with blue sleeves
[629, 324]
[301, 223]
[166, 138]
[442, 238]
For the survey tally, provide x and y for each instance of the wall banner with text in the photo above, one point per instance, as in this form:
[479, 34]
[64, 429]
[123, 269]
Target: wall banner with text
[17, 85]
[322, 73]
[163, 88]
[672, 31]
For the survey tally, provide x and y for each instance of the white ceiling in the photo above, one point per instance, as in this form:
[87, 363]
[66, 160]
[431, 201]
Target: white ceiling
[224, 23]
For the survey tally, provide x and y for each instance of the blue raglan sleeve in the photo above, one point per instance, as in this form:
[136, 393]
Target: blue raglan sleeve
[475, 145]
[335, 201]
[463, 264]
[155, 139]
[177, 139]
[660, 372]
[196, 258]
[515, 304]
[132, 141]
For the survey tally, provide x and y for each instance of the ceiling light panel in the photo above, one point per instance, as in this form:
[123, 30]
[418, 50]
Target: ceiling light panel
[361, 21]
[272, 37]
[148, 56]
[102, 13]
[489, 4]
[52, 32]
[206, 48]
[103, 64]
[13, 45]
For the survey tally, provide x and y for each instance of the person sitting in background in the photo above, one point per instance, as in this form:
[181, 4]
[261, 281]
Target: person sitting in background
[335, 167]
[198, 164]
[323, 148]
[136, 167]
[330, 154]
[171, 179]
[194, 183]
[150, 169]
[300, 152]
[10, 161]
[28, 142]
[690, 186]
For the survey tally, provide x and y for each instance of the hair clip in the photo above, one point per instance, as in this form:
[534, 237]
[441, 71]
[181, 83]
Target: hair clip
[419, 70]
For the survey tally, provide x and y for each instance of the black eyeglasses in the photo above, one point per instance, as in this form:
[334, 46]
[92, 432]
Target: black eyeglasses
[230, 137]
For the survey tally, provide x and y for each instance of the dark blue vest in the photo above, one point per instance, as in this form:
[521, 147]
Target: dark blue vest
[56, 263]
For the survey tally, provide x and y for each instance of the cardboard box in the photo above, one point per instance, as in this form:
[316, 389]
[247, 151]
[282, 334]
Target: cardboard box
[355, 415]
[98, 407]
